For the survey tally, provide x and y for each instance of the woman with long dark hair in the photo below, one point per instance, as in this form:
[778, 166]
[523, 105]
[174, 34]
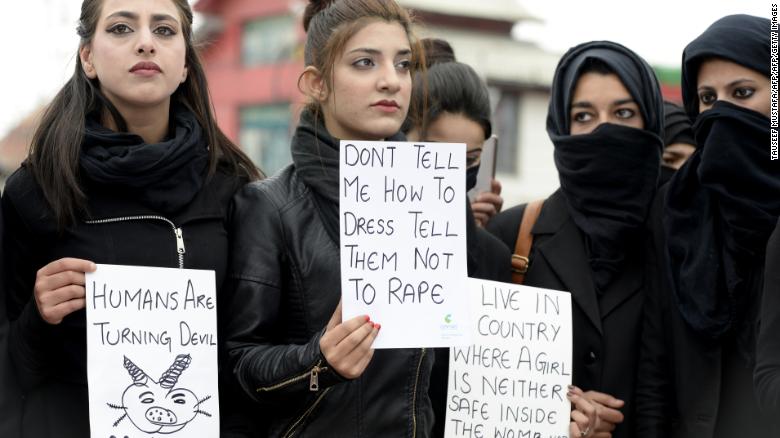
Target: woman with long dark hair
[126, 167]
[310, 372]
[711, 225]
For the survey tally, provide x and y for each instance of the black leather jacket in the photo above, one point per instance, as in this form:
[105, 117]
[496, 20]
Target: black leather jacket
[283, 286]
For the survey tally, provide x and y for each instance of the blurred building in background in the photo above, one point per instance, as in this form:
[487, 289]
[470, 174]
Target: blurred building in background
[253, 55]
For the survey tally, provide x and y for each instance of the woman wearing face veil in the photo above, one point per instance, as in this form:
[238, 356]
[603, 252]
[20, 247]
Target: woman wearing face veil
[711, 225]
[679, 144]
[605, 120]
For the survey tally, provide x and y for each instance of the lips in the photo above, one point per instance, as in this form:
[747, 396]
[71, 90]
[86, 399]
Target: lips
[146, 67]
[387, 104]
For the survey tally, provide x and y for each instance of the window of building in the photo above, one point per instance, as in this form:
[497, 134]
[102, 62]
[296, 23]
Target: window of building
[265, 136]
[268, 40]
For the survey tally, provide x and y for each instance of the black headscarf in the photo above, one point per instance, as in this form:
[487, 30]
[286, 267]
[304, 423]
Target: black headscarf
[165, 176]
[609, 176]
[677, 129]
[723, 204]
[315, 155]
[677, 126]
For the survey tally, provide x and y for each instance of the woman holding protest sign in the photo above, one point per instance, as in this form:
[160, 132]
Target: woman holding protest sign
[126, 167]
[711, 225]
[312, 373]
[605, 121]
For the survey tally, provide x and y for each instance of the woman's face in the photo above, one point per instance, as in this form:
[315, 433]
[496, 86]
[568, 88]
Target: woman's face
[602, 98]
[137, 53]
[371, 84]
[676, 154]
[724, 80]
[455, 128]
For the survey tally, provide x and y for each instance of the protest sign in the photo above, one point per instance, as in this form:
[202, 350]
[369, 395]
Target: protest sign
[403, 240]
[512, 381]
[152, 352]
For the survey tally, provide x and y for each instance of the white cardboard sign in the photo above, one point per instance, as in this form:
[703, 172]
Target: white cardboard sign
[512, 381]
[403, 240]
[152, 352]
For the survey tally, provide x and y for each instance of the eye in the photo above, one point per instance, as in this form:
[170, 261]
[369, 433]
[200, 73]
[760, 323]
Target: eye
[625, 113]
[582, 117]
[120, 29]
[147, 400]
[404, 65]
[179, 401]
[707, 97]
[744, 92]
[363, 63]
[165, 31]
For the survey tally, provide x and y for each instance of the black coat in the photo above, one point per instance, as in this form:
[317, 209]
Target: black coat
[284, 284]
[50, 360]
[683, 376]
[767, 378]
[10, 394]
[606, 328]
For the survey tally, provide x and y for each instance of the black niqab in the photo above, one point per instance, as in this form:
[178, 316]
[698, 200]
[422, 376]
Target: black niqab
[608, 176]
[724, 202]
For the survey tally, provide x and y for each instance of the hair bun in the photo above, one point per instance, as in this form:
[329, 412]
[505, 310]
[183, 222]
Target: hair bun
[312, 9]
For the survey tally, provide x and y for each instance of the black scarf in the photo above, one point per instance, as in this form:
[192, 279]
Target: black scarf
[315, 155]
[721, 208]
[720, 204]
[609, 176]
[677, 129]
[164, 176]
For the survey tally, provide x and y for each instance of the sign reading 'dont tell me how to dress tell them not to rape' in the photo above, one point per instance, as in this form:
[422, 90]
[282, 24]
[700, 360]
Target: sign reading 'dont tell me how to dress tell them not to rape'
[403, 240]
[512, 381]
[152, 352]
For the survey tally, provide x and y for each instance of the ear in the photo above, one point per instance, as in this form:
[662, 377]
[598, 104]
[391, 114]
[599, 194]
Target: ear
[85, 57]
[314, 84]
[184, 75]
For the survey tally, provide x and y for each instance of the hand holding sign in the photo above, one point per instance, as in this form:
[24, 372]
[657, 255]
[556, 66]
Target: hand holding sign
[606, 409]
[347, 345]
[59, 288]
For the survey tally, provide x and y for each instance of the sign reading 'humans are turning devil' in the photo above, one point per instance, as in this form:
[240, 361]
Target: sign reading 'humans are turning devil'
[152, 352]
[403, 240]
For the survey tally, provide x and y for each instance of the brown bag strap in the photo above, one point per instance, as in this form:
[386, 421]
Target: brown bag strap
[525, 239]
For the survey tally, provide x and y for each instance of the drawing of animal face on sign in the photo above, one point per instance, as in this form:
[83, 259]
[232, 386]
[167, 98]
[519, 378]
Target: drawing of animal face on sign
[159, 406]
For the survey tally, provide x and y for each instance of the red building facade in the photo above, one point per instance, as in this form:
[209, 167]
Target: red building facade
[253, 55]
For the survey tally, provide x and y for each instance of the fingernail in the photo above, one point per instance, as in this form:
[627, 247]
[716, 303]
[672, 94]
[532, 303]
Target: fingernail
[377, 326]
[570, 394]
[368, 318]
[571, 387]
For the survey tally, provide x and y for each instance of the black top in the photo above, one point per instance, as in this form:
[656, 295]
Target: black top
[767, 376]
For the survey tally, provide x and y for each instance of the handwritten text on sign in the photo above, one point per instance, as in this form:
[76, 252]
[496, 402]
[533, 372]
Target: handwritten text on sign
[403, 240]
[512, 382]
[152, 352]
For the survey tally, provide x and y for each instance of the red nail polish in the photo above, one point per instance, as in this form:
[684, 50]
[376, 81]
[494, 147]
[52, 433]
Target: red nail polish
[377, 326]
[368, 318]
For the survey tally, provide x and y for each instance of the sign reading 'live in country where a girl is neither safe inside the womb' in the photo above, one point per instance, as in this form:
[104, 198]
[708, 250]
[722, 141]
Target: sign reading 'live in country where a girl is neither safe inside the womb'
[403, 240]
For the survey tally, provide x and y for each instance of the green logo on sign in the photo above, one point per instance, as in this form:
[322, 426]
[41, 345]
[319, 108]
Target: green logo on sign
[448, 318]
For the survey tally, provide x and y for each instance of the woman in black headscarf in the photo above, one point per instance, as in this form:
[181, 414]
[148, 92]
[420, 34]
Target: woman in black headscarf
[767, 374]
[711, 228]
[606, 121]
[679, 143]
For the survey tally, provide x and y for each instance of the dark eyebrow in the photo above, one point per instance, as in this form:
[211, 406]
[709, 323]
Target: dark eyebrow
[402, 52]
[178, 394]
[133, 16]
[144, 393]
[624, 101]
[582, 104]
[737, 81]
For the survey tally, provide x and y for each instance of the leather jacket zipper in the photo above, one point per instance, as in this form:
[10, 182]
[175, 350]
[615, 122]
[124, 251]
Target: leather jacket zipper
[305, 415]
[414, 395]
[177, 231]
[313, 375]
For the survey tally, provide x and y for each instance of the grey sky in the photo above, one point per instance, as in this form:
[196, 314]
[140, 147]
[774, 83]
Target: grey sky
[39, 40]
